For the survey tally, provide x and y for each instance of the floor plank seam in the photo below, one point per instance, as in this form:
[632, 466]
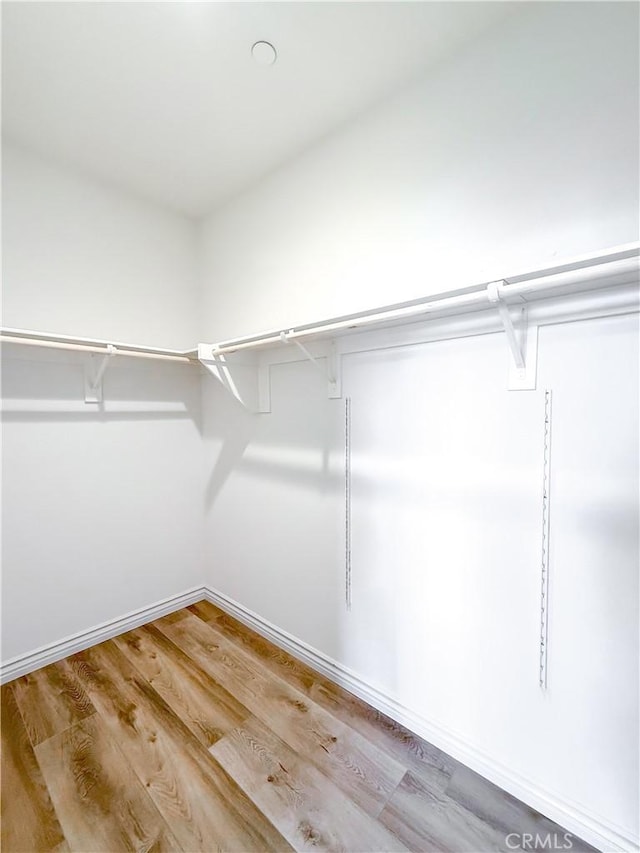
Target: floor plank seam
[194, 733]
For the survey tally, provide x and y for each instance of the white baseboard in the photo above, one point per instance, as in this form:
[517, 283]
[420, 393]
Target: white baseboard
[23, 664]
[574, 818]
[590, 827]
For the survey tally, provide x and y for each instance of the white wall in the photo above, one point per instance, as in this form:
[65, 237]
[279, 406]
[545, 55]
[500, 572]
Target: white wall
[102, 505]
[102, 509]
[446, 546]
[521, 150]
[81, 258]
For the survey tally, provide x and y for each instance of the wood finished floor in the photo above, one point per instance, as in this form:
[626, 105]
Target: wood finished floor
[193, 733]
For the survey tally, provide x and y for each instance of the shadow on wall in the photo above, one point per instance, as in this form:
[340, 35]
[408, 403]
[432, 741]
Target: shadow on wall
[50, 386]
[219, 407]
[301, 443]
[242, 442]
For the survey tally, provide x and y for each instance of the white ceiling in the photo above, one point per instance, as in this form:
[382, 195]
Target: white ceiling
[165, 100]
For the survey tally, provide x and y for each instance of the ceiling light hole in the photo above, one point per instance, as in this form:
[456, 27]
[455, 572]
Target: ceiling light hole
[264, 53]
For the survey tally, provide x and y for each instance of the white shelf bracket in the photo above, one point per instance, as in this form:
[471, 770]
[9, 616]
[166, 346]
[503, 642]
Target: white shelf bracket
[238, 378]
[333, 363]
[284, 337]
[522, 340]
[95, 369]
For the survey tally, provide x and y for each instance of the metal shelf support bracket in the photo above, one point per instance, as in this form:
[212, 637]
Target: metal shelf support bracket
[239, 378]
[95, 369]
[522, 340]
[333, 363]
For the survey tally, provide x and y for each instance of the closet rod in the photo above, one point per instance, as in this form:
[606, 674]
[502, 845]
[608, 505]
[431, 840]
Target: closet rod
[65, 342]
[616, 266]
[588, 272]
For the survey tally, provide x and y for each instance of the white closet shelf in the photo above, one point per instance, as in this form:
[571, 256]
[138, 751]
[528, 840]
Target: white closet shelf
[28, 337]
[508, 298]
[96, 367]
[610, 267]
[596, 271]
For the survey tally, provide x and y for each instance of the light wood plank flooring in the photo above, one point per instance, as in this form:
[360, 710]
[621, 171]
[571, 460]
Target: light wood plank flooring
[193, 733]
